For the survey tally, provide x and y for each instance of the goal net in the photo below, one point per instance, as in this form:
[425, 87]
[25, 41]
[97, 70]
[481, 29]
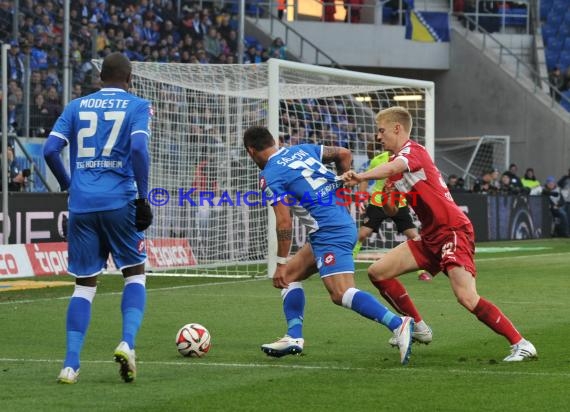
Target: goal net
[199, 162]
[471, 157]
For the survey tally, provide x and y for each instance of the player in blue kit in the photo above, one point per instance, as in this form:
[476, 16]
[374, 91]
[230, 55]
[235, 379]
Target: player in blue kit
[107, 133]
[295, 180]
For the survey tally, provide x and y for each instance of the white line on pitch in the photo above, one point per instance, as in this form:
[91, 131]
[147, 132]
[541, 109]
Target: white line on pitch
[192, 363]
[17, 302]
[516, 258]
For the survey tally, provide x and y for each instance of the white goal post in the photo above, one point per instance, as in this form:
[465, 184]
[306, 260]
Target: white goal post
[201, 112]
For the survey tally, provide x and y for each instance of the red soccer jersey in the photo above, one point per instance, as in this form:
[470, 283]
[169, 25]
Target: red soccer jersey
[426, 192]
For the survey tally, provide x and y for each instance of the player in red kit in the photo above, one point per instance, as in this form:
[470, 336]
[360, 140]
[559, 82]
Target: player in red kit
[446, 241]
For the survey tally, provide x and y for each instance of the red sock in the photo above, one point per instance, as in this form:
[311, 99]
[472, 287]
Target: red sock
[396, 294]
[492, 316]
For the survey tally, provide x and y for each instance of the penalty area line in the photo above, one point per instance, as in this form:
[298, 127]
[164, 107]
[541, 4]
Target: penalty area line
[409, 369]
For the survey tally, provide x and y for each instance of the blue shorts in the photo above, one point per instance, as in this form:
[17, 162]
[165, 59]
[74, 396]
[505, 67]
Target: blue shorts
[92, 236]
[332, 248]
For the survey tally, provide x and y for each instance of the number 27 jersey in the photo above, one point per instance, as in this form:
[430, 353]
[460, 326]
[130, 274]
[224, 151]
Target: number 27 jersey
[98, 129]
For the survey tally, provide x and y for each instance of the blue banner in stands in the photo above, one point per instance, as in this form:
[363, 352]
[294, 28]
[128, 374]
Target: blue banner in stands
[427, 26]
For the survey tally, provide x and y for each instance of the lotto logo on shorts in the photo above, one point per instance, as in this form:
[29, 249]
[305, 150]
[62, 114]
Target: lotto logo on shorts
[141, 246]
[329, 259]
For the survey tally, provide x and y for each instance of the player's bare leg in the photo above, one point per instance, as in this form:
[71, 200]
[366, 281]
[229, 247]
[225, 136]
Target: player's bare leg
[422, 274]
[383, 273]
[302, 265]
[465, 290]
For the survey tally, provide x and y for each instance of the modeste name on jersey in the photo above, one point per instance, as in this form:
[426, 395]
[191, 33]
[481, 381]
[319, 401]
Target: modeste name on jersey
[104, 103]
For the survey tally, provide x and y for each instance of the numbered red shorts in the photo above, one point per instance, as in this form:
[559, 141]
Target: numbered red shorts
[447, 249]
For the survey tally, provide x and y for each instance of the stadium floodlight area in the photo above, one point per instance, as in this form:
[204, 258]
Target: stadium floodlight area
[200, 115]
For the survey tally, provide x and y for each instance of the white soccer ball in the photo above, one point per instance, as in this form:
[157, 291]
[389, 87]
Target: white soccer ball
[193, 340]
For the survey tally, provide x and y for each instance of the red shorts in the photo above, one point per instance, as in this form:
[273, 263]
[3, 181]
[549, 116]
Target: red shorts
[448, 248]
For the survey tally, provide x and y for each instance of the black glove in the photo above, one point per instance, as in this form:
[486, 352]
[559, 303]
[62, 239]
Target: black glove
[143, 217]
[64, 220]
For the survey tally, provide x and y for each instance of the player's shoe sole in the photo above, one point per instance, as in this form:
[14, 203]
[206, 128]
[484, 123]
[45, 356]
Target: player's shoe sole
[125, 357]
[284, 346]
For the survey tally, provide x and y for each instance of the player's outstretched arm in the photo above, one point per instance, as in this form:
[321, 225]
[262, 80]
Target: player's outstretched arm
[341, 157]
[351, 178]
[385, 170]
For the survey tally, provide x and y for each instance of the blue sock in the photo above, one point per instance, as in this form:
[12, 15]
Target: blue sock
[132, 307]
[368, 306]
[78, 318]
[293, 307]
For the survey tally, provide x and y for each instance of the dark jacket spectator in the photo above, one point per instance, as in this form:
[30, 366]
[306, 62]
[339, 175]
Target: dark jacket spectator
[514, 179]
[557, 207]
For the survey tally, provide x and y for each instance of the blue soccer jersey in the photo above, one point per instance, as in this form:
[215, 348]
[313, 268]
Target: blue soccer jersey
[296, 177]
[98, 129]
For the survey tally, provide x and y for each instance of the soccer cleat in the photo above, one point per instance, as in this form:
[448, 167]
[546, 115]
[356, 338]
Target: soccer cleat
[403, 335]
[419, 335]
[126, 357]
[422, 334]
[521, 351]
[68, 375]
[284, 346]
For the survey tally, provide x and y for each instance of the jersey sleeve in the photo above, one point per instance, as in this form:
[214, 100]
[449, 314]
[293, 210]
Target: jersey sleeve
[63, 127]
[412, 156]
[272, 188]
[141, 118]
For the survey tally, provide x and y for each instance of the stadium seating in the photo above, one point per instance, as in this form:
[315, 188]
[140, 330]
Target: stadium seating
[564, 31]
[564, 60]
[565, 101]
[545, 6]
[555, 16]
[252, 7]
[552, 57]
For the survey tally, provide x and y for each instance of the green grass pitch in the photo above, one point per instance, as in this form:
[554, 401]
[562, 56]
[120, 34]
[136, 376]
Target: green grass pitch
[347, 364]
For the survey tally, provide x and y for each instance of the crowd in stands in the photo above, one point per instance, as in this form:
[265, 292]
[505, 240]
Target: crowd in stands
[492, 182]
[145, 30]
[320, 121]
[493, 14]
